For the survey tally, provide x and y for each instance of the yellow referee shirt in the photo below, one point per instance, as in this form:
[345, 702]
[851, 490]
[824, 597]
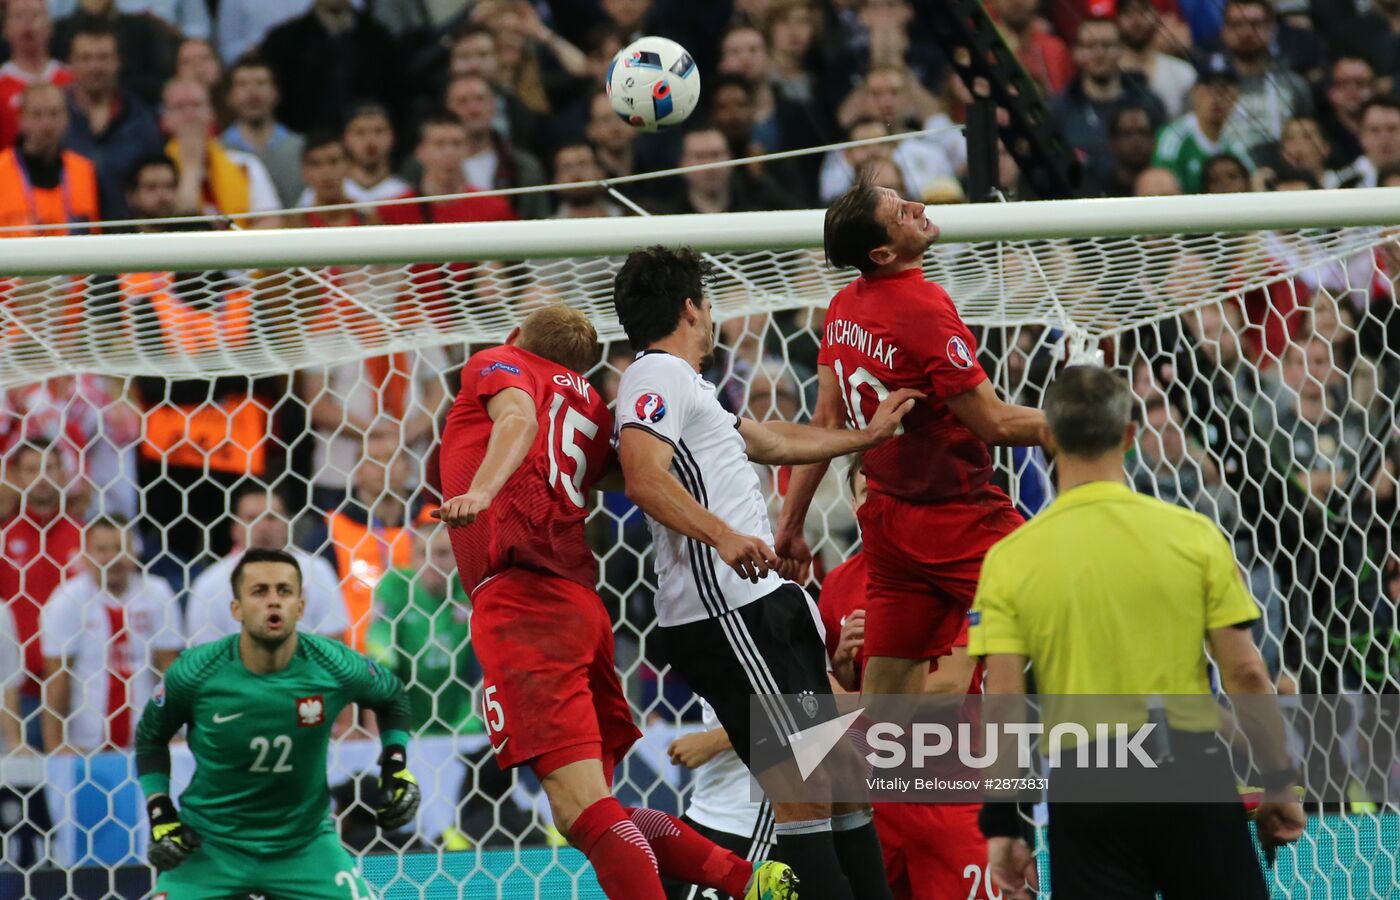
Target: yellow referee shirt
[1110, 592]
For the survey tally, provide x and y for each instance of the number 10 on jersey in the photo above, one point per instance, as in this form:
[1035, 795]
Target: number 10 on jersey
[852, 397]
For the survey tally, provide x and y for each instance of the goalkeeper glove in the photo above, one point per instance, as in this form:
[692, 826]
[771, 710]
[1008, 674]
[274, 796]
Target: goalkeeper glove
[172, 841]
[398, 790]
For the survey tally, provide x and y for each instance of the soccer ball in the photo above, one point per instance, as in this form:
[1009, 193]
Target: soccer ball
[652, 83]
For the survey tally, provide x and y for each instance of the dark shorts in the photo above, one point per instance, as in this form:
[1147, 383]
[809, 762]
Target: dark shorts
[1132, 851]
[772, 646]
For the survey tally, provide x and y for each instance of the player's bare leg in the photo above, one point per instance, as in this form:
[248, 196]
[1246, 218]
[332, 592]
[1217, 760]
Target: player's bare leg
[893, 675]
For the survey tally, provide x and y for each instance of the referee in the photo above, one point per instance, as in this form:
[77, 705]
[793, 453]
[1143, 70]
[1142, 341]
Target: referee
[1112, 592]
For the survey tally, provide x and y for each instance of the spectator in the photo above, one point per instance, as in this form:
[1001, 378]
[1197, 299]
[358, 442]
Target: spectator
[492, 161]
[107, 635]
[1156, 181]
[1130, 146]
[328, 60]
[369, 146]
[612, 139]
[41, 183]
[723, 189]
[877, 35]
[11, 681]
[628, 17]
[1045, 56]
[368, 532]
[1170, 78]
[1270, 93]
[42, 540]
[260, 521]
[106, 123]
[473, 52]
[1170, 466]
[152, 191]
[243, 24]
[919, 164]
[792, 33]
[324, 168]
[1373, 35]
[1351, 85]
[732, 112]
[1287, 178]
[421, 632]
[28, 31]
[396, 397]
[1305, 149]
[1185, 145]
[1380, 138]
[146, 45]
[252, 98]
[214, 178]
[578, 162]
[195, 60]
[89, 422]
[744, 54]
[529, 55]
[1101, 86]
[442, 156]
[1225, 174]
[187, 17]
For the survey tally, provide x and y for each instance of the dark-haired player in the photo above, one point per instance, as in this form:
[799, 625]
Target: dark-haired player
[257, 708]
[728, 623]
[933, 511]
[525, 441]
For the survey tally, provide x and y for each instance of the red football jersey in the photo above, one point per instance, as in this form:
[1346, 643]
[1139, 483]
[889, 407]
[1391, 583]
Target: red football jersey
[842, 593]
[39, 552]
[902, 331]
[536, 521]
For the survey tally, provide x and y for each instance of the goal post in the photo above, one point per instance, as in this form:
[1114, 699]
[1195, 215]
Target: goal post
[176, 378]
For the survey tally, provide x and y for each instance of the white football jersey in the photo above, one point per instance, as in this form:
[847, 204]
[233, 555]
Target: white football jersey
[665, 396]
[82, 625]
[207, 613]
[722, 797]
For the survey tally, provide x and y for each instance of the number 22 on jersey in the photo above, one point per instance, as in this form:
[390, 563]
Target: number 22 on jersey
[566, 424]
[853, 398]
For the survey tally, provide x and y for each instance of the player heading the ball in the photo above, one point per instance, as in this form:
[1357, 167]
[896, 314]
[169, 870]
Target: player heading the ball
[258, 708]
[932, 511]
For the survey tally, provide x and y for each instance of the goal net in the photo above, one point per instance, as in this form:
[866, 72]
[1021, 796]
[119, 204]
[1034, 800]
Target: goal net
[206, 392]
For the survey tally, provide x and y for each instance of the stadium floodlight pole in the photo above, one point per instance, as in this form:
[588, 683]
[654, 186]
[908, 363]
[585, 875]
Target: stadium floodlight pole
[717, 232]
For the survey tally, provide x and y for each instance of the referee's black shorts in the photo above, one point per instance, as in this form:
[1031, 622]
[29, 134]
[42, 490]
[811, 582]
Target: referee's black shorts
[772, 646]
[1133, 851]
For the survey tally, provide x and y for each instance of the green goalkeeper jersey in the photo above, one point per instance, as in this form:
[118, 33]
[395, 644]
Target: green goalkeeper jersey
[260, 741]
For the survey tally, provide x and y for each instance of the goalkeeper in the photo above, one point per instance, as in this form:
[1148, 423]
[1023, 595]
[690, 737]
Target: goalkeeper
[258, 707]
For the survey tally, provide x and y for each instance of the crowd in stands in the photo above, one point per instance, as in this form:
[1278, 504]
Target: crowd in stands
[124, 504]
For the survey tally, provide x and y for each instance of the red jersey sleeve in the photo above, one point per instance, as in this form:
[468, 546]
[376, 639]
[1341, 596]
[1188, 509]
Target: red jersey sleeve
[948, 349]
[492, 371]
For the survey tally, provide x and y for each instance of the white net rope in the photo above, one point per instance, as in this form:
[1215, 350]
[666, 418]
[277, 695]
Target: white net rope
[300, 407]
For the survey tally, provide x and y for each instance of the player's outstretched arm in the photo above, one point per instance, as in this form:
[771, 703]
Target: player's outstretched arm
[513, 430]
[646, 468]
[380, 690]
[788, 443]
[172, 841]
[791, 542]
[995, 421]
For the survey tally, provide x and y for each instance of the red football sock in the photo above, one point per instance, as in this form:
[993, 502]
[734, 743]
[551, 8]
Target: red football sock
[621, 856]
[684, 854]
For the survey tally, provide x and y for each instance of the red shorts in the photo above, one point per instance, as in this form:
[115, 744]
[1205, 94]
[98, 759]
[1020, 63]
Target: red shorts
[923, 562]
[933, 851]
[550, 686]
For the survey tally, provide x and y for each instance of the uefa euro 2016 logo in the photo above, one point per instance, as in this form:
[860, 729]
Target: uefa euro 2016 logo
[651, 408]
